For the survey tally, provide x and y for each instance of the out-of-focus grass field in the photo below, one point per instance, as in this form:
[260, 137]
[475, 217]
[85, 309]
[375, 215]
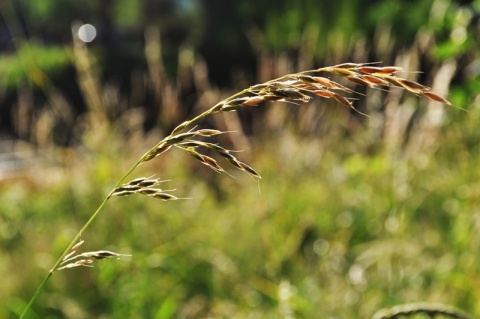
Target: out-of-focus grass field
[338, 227]
[353, 214]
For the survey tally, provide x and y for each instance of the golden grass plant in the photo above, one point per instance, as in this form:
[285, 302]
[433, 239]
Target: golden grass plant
[296, 89]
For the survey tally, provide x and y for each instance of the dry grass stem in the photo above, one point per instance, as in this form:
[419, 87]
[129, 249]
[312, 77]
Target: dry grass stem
[432, 310]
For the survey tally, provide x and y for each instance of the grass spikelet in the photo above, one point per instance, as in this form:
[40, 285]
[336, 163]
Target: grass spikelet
[102, 254]
[208, 132]
[164, 196]
[206, 160]
[360, 80]
[73, 260]
[434, 97]
[342, 71]
[137, 181]
[142, 185]
[331, 85]
[255, 100]
[375, 80]
[180, 128]
[244, 167]
[339, 98]
[177, 138]
[78, 263]
[73, 250]
[160, 148]
[413, 86]
[389, 70]
[347, 65]
[323, 93]
[250, 170]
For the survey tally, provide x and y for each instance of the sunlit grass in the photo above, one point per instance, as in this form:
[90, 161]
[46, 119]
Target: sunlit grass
[328, 232]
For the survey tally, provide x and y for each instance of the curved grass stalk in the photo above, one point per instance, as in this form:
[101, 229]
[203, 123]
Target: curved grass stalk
[298, 88]
[432, 310]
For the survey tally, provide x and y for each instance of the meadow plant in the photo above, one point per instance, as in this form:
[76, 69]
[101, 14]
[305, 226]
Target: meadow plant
[297, 88]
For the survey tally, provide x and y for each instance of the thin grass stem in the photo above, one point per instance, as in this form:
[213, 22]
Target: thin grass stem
[296, 88]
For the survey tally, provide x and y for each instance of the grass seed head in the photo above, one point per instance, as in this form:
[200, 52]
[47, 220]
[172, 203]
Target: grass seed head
[194, 153]
[192, 143]
[342, 71]
[347, 65]
[137, 181]
[255, 100]
[177, 138]
[208, 132]
[413, 86]
[212, 163]
[375, 80]
[435, 97]
[359, 80]
[149, 182]
[73, 250]
[102, 254]
[78, 263]
[323, 93]
[180, 128]
[149, 191]
[123, 193]
[164, 196]
[250, 170]
[157, 150]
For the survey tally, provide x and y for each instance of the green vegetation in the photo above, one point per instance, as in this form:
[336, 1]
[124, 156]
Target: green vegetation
[353, 214]
[335, 231]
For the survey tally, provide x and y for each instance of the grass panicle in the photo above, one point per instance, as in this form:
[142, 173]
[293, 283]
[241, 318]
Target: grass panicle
[144, 186]
[297, 88]
[72, 260]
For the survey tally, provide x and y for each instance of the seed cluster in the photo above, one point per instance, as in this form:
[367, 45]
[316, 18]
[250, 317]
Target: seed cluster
[297, 88]
[72, 260]
[177, 137]
[302, 87]
[144, 186]
[191, 145]
[294, 88]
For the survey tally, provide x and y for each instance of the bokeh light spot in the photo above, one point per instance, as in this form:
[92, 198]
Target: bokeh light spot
[87, 33]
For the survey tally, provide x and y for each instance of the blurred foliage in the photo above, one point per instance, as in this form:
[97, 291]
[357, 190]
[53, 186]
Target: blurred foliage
[31, 63]
[219, 30]
[335, 227]
[344, 221]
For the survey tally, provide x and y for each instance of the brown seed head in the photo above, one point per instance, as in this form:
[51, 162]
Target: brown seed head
[212, 163]
[342, 71]
[255, 100]
[359, 80]
[375, 80]
[323, 93]
[435, 97]
[347, 66]
[412, 86]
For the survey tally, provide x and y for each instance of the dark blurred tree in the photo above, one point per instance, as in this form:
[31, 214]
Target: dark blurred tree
[228, 34]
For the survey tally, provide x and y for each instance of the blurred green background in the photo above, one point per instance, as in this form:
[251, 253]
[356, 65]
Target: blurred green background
[353, 214]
